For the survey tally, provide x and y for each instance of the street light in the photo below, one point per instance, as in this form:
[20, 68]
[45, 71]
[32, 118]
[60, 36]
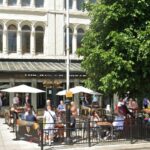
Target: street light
[67, 46]
[68, 94]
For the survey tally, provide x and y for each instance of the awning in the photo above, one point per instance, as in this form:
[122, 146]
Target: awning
[38, 66]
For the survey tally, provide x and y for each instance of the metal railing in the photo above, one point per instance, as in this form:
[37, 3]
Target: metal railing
[85, 132]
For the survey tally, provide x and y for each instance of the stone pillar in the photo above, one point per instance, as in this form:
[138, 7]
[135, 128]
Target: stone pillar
[59, 34]
[5, 3]
[32, 41]
[33, 95]
[5, 43]
[11, 95]
[51, 35]
[74, 41]
[32, 4]
[18, 2]
[76, 96]
[74, 4]
[19, 43]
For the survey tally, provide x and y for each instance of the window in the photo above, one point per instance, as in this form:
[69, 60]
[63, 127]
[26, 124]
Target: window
[70, 41]
[12, 38]
[70, 4]
[80, 4]
[39, 3]
[25, 3]
[26, 39]
[39, 39]
[1, 38]
[12, 2]
[1, 2]
[79, 37]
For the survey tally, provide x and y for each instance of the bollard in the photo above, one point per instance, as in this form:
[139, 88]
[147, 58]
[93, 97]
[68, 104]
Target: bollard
[89, 137]
[42, 136]
[131, 128]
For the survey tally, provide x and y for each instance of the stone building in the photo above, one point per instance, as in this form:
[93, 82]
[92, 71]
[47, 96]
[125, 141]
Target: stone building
[33, 49]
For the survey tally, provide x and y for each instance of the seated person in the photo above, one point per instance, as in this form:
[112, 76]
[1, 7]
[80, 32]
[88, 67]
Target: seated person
[85, 102]
[28, 110]
[30, 117]
[118, 122]
[95, 117]
[61, 107]
[96, 128]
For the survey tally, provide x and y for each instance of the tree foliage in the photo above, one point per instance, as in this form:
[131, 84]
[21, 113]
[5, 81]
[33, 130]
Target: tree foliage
[116, 47]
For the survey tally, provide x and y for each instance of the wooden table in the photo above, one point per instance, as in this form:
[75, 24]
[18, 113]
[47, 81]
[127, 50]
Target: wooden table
[104, 123]
[146, 111]
[107, 125]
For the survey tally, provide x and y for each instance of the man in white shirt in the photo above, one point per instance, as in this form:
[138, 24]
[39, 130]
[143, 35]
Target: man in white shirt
[49, 117]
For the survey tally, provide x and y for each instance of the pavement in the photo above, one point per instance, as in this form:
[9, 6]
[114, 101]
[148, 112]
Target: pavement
[8, 142]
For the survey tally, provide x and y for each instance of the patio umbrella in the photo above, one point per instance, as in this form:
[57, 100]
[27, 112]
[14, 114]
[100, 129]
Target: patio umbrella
[22, 89]
[79, 89]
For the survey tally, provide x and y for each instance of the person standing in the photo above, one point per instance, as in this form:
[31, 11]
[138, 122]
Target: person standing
[49, 119]
[146, 102]
[61, 107]
[16, 100]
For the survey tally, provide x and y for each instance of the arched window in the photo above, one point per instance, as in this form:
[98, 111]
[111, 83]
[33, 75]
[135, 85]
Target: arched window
[70, 41]
[26, 31]
[70, 4]
[39, 3]
[1, 38]
[80, 4]
[12, 2]
[12, 39]
[39, 39]
[80, 34]
[25, 3]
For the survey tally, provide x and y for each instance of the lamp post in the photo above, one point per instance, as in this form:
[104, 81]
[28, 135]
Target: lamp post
[68, 118]
[67, 46]
[68, 93]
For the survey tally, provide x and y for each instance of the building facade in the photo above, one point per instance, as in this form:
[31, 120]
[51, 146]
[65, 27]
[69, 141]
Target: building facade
[33, 45]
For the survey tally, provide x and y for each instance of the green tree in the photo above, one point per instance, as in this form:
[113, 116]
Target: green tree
[116, 47]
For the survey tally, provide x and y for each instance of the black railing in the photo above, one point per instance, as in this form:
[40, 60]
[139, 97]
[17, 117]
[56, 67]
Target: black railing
[85, 132]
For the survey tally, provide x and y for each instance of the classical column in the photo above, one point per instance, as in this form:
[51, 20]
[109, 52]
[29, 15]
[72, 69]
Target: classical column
[19, 44]
[76, 96]
[74, 4]
[32, 41]
[11, 95]
[74, 41]
[5, 3]
[32, 3]
[5, 41]
[18, 2]
[34, 96]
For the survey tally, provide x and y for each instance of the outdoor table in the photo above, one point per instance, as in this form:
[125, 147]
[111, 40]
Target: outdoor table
[146, 111]
[107, 125]
[104, 123]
